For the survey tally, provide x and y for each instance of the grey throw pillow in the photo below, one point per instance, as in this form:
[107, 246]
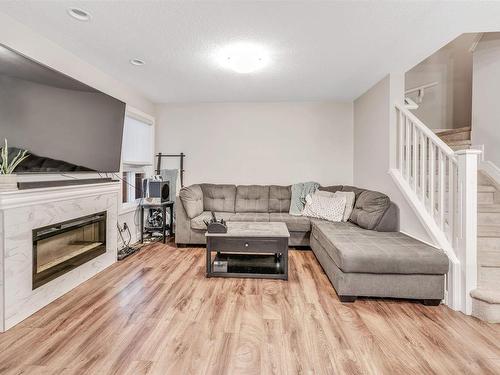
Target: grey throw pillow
[369, 208]
[331, 189]
[192, 199]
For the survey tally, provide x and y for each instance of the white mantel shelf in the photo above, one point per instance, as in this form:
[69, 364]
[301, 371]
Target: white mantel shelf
[19, 198]
[21, 211]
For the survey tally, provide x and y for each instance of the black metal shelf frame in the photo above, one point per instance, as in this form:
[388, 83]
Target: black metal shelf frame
[159, 157]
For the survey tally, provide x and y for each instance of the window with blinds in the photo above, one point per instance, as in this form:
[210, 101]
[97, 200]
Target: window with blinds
[137, 156]
[137, 142]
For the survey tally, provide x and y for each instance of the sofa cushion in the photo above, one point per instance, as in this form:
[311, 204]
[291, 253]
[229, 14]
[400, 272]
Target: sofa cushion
[250, 216]
[252, 198]
[390, 220]
[198, 223]
[331, 189]
[279, 198]
[294, 223]
[218, 198]
[354, 249]
[357, 191]
[192, 200]
[369, 208]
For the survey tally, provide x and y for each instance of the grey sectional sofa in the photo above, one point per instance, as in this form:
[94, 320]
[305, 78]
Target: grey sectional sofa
[366, 256]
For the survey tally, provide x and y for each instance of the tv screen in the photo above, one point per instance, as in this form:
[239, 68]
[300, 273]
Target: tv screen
[65, 125]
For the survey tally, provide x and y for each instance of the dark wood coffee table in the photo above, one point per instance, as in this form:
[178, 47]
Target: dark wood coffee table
[249, 249]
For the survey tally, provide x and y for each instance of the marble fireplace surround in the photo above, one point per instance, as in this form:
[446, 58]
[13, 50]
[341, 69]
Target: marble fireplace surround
[23, 210]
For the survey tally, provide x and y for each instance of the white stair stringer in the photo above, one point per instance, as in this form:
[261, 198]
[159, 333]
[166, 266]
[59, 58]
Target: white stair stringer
[454, 278]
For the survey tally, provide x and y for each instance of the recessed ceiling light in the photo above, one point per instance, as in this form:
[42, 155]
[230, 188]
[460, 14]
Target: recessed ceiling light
[137, 62]
[79, 14]
[243, 57]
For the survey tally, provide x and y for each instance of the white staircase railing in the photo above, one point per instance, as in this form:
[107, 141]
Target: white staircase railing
[441, 186]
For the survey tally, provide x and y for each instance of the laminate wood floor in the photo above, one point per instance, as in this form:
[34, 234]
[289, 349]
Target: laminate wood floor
[156, 313]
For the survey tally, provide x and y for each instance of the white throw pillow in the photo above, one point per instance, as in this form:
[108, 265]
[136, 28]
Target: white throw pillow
[349, 205]
[325, 207]
[324, 193]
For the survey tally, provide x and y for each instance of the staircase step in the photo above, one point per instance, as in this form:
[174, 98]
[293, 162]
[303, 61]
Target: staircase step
[486, 295]
[486, 198]
[485, 189]
[462, 142]
[488, 230]
[488, 218]
[488, 252]
[453, 131]
[486, 304]
[483, 179]
[488, 207]
[488, 277]
[488, 244]
[487, 258]
[454, 136]
[459, 147]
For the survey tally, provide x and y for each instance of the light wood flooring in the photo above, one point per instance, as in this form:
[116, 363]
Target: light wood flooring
[156, 313]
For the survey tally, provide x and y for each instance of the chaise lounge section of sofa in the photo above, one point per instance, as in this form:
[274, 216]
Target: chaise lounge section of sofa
[366, 256]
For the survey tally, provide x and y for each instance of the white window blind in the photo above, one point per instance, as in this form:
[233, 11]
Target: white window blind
[137, 142]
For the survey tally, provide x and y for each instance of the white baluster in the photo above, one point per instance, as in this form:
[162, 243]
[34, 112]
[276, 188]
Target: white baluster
[407, 149]
[414, 157]
[442, 187]
[451, 200]
[423, 168]
[432, 176]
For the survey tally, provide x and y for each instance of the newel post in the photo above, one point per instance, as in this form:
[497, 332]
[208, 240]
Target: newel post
[467, 161]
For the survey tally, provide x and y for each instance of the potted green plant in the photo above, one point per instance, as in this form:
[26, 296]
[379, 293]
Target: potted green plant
[8, 180]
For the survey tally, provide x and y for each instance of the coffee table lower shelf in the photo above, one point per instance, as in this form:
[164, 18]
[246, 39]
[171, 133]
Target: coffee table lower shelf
[261, 266]
[249, 249]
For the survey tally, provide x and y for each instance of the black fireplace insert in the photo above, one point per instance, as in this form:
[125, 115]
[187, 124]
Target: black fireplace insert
[61, 247]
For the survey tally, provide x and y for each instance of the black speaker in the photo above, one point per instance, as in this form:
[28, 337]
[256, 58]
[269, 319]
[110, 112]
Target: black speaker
[156, 190]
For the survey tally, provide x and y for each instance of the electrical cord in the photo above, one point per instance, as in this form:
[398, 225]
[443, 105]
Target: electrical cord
[125, 250]
[129, 184]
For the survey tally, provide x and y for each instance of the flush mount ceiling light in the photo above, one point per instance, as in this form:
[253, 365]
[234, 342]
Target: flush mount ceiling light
[79, 14]
[243, 57]
[137, 62]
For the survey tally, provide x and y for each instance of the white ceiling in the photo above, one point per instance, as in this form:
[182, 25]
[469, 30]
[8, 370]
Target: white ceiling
[320, 50]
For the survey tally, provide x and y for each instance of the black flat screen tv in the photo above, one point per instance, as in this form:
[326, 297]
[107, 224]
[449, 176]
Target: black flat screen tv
[65, 125]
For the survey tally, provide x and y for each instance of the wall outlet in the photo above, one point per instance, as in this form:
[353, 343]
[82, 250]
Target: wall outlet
[123, 228]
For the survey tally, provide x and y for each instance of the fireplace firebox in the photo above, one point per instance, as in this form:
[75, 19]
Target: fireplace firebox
[61, 247]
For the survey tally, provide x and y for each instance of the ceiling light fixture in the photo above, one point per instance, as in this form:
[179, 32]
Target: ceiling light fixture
[137, 62]
[79, 14]
[243, 57]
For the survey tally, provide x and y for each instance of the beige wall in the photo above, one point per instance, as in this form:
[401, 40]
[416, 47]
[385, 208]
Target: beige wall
[260, 143]
[485, 107]
[372, 151]
[447, 105]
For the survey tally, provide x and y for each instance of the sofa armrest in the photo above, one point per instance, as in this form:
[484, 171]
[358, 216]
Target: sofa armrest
[192, 200]
[182, 223]
[390, 220]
